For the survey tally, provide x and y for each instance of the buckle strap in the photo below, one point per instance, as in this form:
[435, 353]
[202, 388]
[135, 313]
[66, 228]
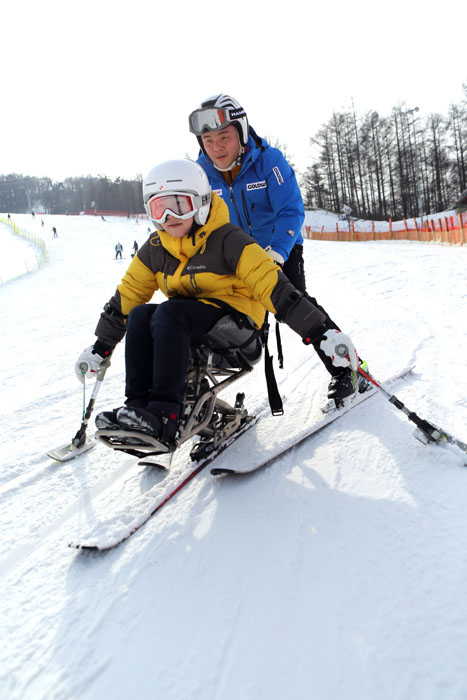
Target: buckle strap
[280, 355]
[242, 320]
[275, 400]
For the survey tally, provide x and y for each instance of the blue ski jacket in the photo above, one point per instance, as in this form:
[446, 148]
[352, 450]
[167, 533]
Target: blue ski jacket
[264, 199]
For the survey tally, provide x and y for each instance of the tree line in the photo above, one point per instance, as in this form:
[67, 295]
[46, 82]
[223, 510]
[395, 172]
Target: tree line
[401, 165]
[21, 194]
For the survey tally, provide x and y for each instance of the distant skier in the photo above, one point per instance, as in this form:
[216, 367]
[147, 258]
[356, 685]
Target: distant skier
[54, 232]
[135, 248]
[118, 251]
[346, 212]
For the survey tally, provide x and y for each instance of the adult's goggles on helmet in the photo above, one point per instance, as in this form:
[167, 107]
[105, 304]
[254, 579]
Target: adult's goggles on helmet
[161, 206]
[213, 119]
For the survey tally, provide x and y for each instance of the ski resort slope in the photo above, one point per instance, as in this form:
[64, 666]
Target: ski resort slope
[336, 573]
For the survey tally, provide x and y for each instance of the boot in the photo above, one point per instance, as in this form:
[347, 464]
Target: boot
[107, 420]
[343, 385]
[363, 384]
[159, 419]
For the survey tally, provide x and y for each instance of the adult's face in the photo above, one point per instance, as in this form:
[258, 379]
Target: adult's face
[222, 147]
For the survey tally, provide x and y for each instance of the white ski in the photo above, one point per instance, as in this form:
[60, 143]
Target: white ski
[237, 464]
[68, 451]
[81, 443]
[110, 533]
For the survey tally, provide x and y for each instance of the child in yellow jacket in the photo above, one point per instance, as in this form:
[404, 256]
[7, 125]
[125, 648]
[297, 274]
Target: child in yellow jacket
[205, 266]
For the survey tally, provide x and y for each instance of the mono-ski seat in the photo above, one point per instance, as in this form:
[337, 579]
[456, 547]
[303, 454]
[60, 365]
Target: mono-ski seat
[224, 355]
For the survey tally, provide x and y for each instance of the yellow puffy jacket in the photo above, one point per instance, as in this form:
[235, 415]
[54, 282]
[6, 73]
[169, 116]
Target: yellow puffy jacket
[219, 261]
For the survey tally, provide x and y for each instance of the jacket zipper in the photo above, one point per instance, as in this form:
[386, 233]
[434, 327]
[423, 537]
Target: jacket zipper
[245, 209]
[193, 283]
[236, 208]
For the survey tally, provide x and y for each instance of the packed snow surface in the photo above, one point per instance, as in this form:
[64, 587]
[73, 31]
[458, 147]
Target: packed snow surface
[336, 573]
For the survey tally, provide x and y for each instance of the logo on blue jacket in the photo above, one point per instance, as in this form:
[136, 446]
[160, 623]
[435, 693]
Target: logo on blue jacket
[256, 185]
[278, 174]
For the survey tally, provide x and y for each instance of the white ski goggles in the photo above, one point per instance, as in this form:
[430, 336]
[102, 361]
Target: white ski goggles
[160, 206]
[212, 119]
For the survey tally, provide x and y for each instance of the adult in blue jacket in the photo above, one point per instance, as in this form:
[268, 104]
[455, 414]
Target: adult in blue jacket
[261, 191]
[255, 181]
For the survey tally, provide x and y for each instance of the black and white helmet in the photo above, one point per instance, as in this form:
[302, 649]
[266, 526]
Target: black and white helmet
[217, 112]
[177, 187]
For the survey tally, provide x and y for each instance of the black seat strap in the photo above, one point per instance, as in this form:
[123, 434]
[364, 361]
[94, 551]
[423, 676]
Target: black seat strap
[280, 356]
[275, 401]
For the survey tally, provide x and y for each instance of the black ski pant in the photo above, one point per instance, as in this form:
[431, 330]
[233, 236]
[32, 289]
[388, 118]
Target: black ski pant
[294, 269]
[157, 348]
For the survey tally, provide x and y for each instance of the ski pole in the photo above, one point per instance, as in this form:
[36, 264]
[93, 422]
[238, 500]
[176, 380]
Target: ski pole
[431, 432]
[80, 437]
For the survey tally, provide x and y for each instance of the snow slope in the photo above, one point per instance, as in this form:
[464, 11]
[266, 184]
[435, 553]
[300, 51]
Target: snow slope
[18, 257]
[336, 573]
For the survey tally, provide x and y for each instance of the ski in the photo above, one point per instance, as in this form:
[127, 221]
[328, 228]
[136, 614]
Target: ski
[294, 440]
[433, 433]
[154, 461]
[69, 450]
[426, 432]
[81, 443]
[103, 542]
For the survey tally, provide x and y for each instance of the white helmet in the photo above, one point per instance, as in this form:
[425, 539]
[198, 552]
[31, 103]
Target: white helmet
[216, 113]
[177, 187]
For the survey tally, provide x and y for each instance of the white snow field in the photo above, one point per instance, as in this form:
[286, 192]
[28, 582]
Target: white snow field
[18, 256]
[339, 572]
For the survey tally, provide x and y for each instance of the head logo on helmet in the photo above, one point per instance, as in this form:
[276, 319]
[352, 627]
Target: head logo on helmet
[189, 185]
[216, 113]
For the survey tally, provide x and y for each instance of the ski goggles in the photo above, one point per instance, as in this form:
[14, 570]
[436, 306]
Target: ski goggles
[163, 205]
[212, 119]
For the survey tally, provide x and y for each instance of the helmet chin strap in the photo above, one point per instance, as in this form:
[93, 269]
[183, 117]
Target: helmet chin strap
[234, 163]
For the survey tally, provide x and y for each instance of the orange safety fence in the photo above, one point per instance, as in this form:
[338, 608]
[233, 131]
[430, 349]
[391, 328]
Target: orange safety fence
[448, 229]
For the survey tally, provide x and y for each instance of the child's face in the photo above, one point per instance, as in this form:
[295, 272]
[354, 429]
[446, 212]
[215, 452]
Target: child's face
[177, 227]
